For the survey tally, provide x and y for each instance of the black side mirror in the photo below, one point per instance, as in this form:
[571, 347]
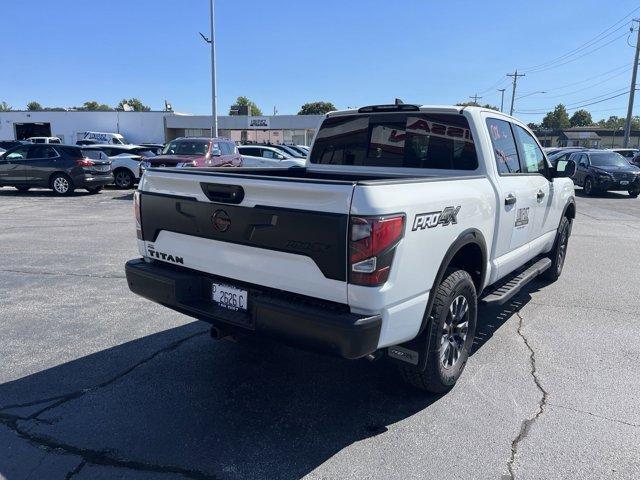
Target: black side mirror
[565, 168]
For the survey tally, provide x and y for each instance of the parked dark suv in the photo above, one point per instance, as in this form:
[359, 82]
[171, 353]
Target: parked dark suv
[63, 168]
[602, 170]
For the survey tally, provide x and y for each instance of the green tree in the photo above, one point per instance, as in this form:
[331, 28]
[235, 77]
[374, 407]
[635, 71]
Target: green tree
[134, 103]
[5, 107]
[533, 126]
[95, 106]
[556, 120]
[476, 104]
[580, 118]
[244, 101]
[34, 106]
[316, 108]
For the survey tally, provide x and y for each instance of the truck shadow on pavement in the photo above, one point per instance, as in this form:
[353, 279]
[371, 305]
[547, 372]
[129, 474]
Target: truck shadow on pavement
[178, 401]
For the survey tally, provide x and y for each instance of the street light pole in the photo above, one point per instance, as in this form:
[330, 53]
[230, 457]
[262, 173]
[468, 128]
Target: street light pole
[214, 94]
[501, 90]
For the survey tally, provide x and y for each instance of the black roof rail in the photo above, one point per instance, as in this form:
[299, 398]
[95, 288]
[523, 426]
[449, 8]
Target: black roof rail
[403, 107]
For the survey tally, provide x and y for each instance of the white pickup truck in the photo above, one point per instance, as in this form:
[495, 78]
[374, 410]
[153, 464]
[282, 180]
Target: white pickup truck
[403, 220]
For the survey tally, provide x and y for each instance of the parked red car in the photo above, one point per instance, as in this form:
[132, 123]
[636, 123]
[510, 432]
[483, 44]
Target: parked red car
[196, 152]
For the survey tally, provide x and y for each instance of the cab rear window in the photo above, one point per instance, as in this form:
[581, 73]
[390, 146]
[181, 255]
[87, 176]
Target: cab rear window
[408, 140]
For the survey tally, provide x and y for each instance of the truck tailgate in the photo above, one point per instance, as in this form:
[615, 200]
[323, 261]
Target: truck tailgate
[281, 233]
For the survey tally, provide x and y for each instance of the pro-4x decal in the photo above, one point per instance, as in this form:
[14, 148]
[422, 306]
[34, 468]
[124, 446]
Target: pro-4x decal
[445, 217]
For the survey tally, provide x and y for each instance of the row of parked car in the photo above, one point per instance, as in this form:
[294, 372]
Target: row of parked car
[93, 165]
[600, 170]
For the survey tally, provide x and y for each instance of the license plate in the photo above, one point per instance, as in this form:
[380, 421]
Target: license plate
[624, 182]
[102, 168]
[229, 297]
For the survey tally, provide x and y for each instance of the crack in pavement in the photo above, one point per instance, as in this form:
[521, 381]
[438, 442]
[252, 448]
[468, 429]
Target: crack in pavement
[59, 274]
[602, 417]
[97, 457]
[78, 393]
[585, 307]
[75, 471]
[542, 403]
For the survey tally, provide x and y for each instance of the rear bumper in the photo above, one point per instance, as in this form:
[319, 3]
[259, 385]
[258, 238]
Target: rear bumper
[89, 180]
[293, 319]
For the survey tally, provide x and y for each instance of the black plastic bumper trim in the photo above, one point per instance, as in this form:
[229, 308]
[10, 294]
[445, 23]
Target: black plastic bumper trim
[293, 319]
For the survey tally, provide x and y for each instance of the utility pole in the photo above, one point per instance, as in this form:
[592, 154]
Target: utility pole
[501, 90]
[632, 90]
[475, 98]
[515, 82]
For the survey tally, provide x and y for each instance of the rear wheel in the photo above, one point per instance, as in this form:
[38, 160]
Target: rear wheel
[93, 190]
[452, 328]
[62, 184]
[559, 252]
[123, 178]
[588, 186]
[634, 193]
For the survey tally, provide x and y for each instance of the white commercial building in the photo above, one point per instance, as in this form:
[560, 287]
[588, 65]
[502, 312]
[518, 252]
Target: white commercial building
[157, 127]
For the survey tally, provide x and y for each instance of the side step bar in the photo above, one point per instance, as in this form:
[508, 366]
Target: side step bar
[508, 287]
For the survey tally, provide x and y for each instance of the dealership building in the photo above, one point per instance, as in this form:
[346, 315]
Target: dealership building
[157, 127]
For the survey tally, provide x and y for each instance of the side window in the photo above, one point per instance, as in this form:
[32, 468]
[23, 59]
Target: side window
[20, 153]
[51, 152]
[268, 154]
[583, 161]
[224, 148]
[37, 152]
[504, 146]
[532, 157]
[232, 148]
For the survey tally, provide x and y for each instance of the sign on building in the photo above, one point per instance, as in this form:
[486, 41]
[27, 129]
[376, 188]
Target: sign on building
[258, 122]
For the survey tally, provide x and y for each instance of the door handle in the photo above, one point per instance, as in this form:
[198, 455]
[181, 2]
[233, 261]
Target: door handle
[540, 195]
[510, 200]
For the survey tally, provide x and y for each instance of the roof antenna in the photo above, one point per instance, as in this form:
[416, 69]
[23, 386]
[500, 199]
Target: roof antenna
[399, 102]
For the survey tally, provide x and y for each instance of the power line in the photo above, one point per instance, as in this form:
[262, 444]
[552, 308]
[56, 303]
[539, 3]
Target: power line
[531, 112]
[551, 67]
[588, 79]
[619, 90]
[591, 86]
[587, 44]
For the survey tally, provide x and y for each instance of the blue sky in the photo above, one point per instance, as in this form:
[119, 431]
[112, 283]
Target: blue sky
[285, 53]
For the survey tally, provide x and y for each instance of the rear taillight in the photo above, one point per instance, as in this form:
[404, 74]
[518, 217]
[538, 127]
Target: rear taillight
[137, 214]
[84, 162]
[372, 243]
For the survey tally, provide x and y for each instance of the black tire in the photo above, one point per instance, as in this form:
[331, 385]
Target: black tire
[588, 186]
[634, 193]
[93, 190]
[123, 178]
[558, 254]
[61, 184]
[22, 189]
[449, 347]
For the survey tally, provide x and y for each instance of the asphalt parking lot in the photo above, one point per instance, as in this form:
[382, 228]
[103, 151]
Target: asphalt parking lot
[98, 383]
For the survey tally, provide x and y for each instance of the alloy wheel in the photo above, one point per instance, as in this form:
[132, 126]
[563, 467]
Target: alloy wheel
[61, 185]
[562, 249]
[454, 332]
[123, 179]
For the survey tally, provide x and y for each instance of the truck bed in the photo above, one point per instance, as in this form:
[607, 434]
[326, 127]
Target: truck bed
[305, 175]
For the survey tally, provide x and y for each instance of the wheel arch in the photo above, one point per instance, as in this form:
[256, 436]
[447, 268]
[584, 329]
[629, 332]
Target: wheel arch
[569, 210]
[58, 172]
[469, 252]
